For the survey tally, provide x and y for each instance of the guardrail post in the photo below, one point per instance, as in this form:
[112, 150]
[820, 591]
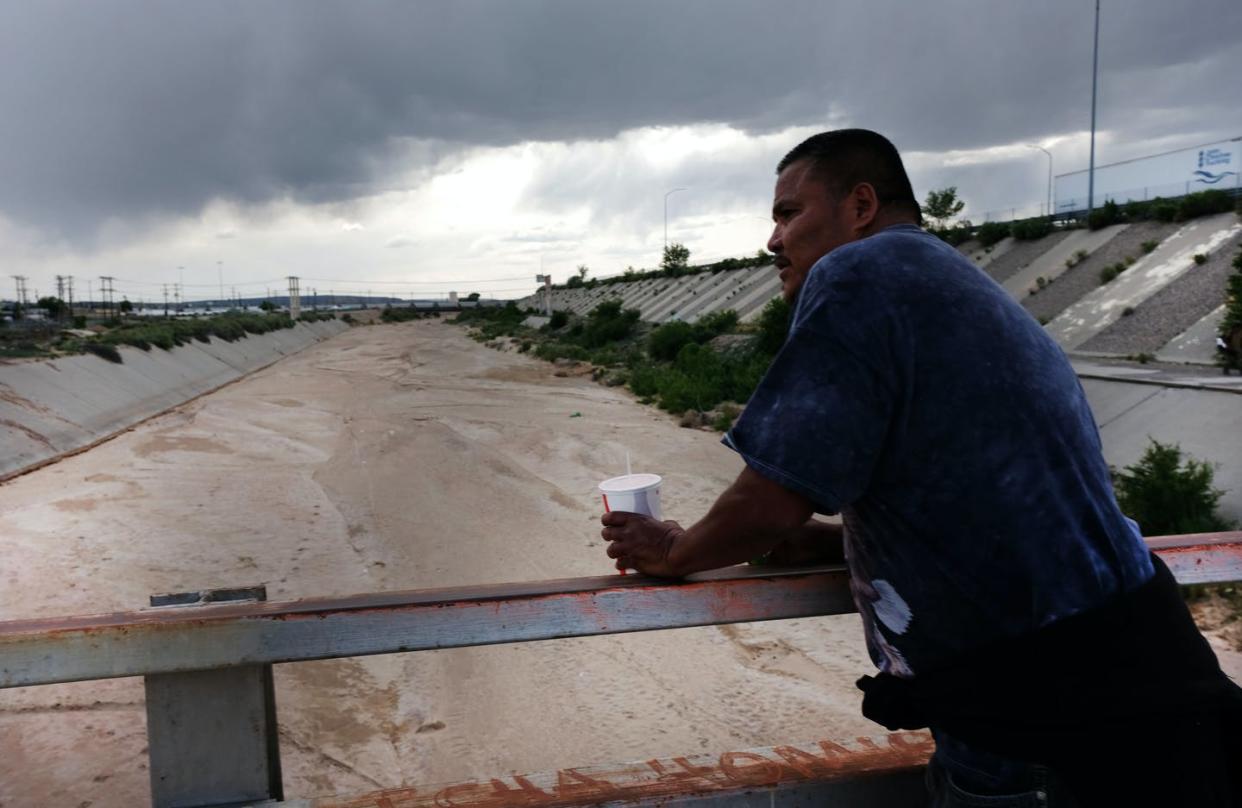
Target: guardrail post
[212, 735]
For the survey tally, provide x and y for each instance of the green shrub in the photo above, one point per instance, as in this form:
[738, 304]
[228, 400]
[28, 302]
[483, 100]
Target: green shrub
[773, 326]
[560, 319]
[1203, 203]
[1167, 494]
[716, 323]
[1231, 324]
[989, 233]
[1163, 210]
[1200, 258]
[666, 341]
[700, 379]
[1127, 311]
[551, 351]
[606, 323]
[1108, 273]
[103, 350]
[1107, 214]
[398, 315]
[1149, 246]
[1138, 211]
[952, 235]
[724, 420]
[1031, 229]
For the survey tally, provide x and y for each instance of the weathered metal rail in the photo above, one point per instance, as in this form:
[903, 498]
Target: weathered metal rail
[208, 671]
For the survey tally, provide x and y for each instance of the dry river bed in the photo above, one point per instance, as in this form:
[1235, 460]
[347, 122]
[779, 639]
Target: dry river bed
[401, 457]
[397, 457]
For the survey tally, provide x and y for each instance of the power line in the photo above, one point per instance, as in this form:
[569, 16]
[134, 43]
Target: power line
[417, 283]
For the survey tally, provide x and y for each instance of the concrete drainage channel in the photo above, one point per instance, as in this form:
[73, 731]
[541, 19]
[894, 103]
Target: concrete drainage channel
[56, 407]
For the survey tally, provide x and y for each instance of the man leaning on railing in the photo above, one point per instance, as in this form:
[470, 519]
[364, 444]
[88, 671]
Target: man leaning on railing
[1007, 602]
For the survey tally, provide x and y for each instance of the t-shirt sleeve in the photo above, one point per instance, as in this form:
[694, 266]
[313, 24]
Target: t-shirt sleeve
[817, 422]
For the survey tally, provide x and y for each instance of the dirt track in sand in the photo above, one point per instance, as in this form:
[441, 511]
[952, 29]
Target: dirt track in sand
[397, 457]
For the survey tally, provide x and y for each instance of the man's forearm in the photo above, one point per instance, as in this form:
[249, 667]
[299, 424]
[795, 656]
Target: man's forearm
[750, 518]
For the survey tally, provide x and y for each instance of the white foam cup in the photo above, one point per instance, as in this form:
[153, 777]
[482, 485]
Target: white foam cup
[633, 493]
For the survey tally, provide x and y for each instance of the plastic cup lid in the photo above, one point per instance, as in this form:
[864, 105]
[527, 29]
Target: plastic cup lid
[630, 482]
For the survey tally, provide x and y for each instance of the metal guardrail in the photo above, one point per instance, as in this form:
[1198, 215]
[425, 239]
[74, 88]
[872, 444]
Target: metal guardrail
[211, 711]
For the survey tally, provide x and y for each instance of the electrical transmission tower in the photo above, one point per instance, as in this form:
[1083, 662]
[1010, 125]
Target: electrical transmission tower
[295, 298]
[105, 291]
[21, 289]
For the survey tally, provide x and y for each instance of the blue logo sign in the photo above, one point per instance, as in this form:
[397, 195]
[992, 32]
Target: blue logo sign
[1208, 178]
[1214, 157]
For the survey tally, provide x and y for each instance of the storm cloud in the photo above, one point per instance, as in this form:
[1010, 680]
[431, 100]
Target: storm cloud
[127, 111]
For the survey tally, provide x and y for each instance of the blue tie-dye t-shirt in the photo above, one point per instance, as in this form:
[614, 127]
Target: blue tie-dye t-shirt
[916, 398]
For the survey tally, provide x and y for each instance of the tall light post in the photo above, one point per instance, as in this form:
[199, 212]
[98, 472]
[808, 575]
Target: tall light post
[220, 278]
[1095, 70]
[1048, 207]
[666, 196]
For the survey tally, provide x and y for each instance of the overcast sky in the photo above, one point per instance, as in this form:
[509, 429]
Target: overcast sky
[418, 147]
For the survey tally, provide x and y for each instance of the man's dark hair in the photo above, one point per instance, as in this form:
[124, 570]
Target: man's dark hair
[845, 157]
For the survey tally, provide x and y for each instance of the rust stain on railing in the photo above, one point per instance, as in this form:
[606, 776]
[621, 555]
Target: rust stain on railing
[663, 778]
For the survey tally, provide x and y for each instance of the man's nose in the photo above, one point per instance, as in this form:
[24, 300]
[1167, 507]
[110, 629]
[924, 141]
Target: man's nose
[775, 242]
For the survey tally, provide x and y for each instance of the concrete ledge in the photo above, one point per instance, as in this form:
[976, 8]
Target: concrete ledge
[56, 407]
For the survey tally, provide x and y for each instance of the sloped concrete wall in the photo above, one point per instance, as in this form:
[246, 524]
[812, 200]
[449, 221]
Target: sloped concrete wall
[57, 406]
[1174, 257]
[1203, 422]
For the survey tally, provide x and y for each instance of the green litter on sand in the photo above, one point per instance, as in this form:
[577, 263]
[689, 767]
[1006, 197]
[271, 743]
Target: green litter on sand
[575, 415]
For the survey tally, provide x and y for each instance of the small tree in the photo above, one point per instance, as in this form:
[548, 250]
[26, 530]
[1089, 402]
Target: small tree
[267, 306]
[126, 306]
[1231, 325]
[54, 306]
[676, 259]
[773, 326]
[473, 297]
[1167, 496]
[942, 205]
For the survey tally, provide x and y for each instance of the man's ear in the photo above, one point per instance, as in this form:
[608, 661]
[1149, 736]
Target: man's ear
[864, 206]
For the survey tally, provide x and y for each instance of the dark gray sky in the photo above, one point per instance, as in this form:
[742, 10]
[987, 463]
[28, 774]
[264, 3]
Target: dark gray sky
[151, 133]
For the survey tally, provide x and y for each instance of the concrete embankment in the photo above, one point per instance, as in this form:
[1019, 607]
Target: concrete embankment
[54, 407]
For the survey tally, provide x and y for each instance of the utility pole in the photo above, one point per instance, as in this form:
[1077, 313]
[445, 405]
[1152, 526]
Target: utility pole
[666, 196]
[314, 299]
[165, 300]
[1095, 70]
[70, 279]
[546, 280]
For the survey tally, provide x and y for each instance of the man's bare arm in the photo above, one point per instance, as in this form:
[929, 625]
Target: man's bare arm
[753, 516]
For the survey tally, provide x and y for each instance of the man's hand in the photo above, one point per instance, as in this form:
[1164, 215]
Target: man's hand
[641, 543]
[750, 518]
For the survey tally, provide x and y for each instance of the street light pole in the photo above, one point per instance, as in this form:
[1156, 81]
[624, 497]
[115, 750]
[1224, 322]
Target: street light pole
[1048, 206]
[1095, 69]
[666, 196]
